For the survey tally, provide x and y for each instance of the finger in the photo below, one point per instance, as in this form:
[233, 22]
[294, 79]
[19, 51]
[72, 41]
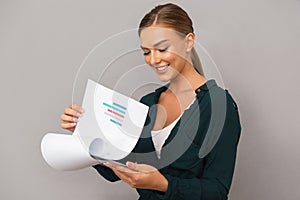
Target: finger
[129, 178]
[120, 168]
[119, 174]
[114, 166]
[68, 118]
[69, 111]
[122, 176]
[140, 167]
[132, 166]
[66, 125]
[76, 107]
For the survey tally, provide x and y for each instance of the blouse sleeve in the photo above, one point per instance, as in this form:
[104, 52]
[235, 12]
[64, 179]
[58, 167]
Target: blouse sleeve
[219, 166]
[106, 172]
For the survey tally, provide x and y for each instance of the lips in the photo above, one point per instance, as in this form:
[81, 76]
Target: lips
[162, 69]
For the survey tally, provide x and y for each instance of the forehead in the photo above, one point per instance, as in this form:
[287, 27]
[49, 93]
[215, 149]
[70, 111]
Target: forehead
[155, 34]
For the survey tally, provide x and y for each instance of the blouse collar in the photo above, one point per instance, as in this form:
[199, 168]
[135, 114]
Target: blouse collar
[205, 87]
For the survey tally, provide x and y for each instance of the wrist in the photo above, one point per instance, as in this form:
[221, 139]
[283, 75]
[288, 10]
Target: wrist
[162, 184]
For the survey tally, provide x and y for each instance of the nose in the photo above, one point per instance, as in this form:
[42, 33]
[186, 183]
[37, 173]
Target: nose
[154, 58]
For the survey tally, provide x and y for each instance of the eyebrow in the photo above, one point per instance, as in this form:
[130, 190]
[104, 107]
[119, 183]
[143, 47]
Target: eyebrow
[156, 44]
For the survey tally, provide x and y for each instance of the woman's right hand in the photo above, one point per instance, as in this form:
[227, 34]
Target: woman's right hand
[70, 117]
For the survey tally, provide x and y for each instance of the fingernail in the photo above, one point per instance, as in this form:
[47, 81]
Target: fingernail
[75, 119]
[129, 164]
[107, 164]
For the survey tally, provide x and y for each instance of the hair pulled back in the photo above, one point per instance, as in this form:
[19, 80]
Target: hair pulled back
[172, 16]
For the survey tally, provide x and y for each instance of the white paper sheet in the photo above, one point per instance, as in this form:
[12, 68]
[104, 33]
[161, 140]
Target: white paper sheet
[65, 152]
[109, 129]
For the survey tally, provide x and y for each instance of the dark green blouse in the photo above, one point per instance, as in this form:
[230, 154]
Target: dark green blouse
[198, 157]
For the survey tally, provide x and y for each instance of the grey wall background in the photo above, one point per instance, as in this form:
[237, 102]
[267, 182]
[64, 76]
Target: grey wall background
[256, 45]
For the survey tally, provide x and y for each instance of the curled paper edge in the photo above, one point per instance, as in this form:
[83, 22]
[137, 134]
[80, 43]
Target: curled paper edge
[65, 152]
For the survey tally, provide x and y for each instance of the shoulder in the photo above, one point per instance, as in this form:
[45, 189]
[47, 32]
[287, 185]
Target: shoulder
[225, 114]
[218, 110]
[148, 98]
[219, 120]
[212, 95]
[152, 97]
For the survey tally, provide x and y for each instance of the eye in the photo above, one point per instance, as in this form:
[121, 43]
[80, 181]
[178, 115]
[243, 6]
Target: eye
[146, 53]
[163, 50]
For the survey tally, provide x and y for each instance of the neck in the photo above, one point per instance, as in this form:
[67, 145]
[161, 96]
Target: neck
[187, 80]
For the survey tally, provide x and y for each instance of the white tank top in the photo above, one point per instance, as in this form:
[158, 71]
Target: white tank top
[159, 137]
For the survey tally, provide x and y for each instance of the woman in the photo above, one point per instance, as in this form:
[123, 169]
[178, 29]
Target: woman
[187, 149]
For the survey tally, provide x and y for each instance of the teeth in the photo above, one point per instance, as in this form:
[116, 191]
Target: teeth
[162, 68]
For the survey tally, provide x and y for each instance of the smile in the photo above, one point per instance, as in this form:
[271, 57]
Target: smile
[162, 69]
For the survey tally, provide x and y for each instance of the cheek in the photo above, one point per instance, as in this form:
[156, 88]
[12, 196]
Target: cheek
[169, 57]
[147, 59]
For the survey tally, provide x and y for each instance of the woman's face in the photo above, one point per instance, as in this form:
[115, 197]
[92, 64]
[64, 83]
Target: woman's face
[165, 51]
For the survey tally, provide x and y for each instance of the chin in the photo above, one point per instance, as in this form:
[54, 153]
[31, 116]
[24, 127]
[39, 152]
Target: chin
[164, 78]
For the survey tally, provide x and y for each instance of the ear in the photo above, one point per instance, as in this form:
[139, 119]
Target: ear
[189, 41]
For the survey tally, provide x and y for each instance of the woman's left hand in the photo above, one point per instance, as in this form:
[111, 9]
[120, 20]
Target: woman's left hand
[140, 176]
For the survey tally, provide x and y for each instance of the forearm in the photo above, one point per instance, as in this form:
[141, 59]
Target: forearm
[194, 189]
[160, 183]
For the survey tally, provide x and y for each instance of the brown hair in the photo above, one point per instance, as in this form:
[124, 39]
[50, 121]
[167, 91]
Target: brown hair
[172, 16]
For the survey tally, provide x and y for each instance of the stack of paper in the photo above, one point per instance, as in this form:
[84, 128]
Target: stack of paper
[108, 130]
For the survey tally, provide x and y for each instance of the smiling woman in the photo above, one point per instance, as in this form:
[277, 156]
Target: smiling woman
[175, 18]
[163, 47]
[187, 115]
